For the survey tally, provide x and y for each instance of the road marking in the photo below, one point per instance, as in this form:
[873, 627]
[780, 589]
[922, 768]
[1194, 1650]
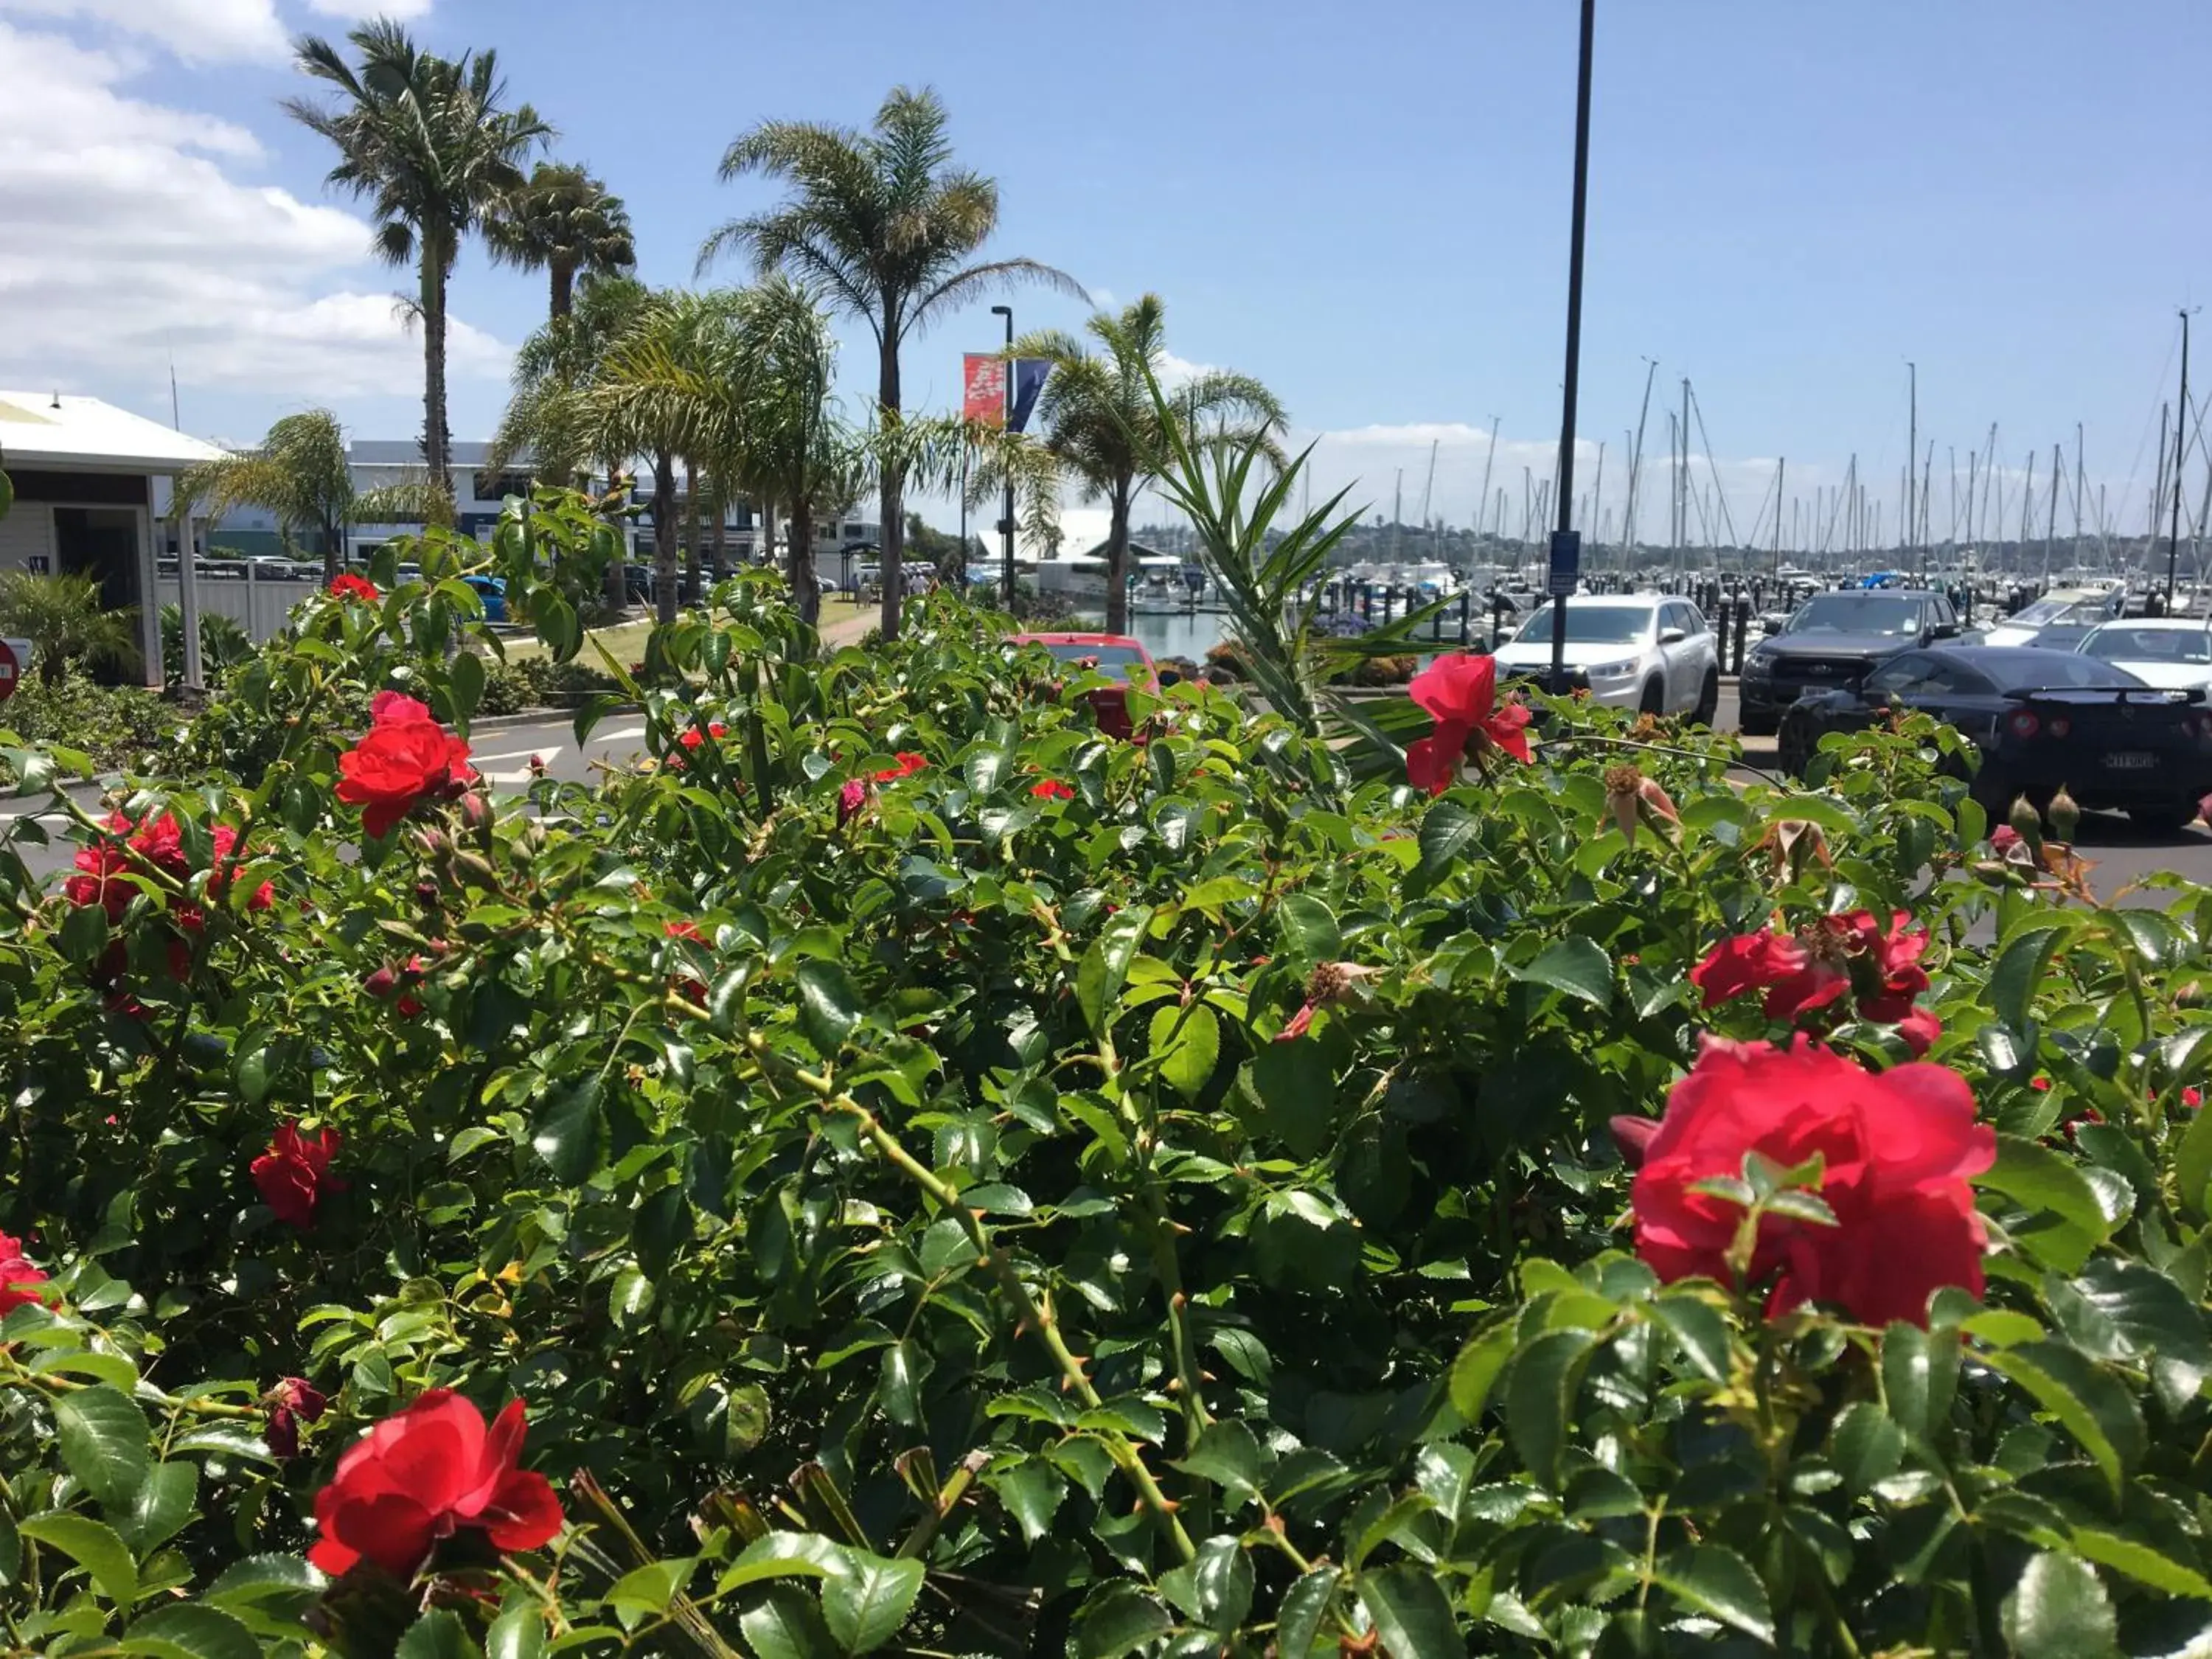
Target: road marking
[545, 755]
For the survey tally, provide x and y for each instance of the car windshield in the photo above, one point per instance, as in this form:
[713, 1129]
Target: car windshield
[2122, 644]
[2043, 612]
[1085, 653]
[2027, 669]
[1857, 613]
[1591, 624]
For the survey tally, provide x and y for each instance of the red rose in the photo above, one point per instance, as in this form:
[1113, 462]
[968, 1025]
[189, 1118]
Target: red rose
[404, 757]
[2003, 839]
[293, 1175]
[850, 799]
[423, 1474]
[1898, 1146]
[1052, 789]
[909, 763]
[293, 1402]
[348, 585]
[685, 929]
[1793, 980]
[1806, 972]
[1460, 691]
[18, 1278]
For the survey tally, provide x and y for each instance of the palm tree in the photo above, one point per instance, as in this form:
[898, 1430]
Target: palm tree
[426, 140]
[1103, 425]
[66, 621]
[544, 418]
[300, 474]
[563, 221]
[885, 226]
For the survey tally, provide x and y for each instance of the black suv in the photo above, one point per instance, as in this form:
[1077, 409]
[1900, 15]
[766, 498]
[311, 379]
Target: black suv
[1831, 643]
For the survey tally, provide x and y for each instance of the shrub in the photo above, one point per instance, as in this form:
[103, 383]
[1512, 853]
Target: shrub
[113, 726]
[934, 1177]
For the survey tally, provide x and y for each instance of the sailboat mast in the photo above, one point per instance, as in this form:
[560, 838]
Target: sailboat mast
[1779, 465]
[1682, 536]
[2181, 456]
[1634, 524]
[1911, 449]
[1483, 513]
[1596, 496]
[2050, 523]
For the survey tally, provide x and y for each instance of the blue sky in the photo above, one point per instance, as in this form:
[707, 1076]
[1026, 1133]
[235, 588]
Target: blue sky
[1367, 209]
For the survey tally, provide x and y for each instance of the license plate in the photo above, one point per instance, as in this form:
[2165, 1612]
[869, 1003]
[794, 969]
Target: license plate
[2130, 760]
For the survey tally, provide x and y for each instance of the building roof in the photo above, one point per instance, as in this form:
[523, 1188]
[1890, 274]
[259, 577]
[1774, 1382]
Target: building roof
[43, 428]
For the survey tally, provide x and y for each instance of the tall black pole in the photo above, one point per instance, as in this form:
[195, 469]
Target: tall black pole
[1565, 524]
[1007, 432]
[2180, 444]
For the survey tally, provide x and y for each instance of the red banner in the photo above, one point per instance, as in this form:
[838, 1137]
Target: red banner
[985, 380]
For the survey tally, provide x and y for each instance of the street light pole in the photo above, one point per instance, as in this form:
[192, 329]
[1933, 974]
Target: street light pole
[1006, 433]
[2180, 444]
[1566, 555]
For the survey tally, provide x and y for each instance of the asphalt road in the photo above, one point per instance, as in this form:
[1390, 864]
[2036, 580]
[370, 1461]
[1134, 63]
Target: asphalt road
[2122, 854]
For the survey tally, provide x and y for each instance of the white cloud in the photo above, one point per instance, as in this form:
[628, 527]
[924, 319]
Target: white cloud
[400, 11]
[1101, 299]
[1172, 371]
[197, 31]
[134, 230]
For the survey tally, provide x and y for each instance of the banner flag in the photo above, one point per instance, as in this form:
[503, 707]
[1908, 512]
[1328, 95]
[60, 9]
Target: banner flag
[984, 378]
[1030, 374]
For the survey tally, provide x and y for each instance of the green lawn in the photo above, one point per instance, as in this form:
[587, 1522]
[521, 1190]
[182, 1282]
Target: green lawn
[625, 643]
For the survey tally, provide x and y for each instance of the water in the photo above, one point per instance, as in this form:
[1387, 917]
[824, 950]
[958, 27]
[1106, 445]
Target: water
[1173, 633]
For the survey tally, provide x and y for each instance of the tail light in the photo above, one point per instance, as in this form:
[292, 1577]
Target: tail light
[2023, 723]
[2061, 726]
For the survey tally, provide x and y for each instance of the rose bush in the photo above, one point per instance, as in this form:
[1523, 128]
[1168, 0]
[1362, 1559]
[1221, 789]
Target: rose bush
[1179, 1215]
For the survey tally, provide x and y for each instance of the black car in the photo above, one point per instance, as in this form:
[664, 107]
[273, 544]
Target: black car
[2040, 719]
[1835, 639]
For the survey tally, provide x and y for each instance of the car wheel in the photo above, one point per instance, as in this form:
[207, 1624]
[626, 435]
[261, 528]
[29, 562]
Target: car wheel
[1709, 699]
[1654, 698]
[2165, 820]
[1794, 748]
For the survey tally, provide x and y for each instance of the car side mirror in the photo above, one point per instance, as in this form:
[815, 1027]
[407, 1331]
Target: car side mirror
[1944, 631]
[1672, 636]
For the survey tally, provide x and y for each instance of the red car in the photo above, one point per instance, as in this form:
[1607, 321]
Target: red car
[1110, 654]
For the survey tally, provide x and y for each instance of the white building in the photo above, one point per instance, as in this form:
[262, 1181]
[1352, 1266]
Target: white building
[91, 482]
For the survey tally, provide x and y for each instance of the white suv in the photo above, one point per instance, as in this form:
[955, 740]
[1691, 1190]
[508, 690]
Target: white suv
[1646, 651]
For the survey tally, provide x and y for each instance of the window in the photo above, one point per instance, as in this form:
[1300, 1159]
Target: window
[498, 486]
[1591, 624]
[1858, 613]
[2117, 643]
[1696, 623]
[1899, 677]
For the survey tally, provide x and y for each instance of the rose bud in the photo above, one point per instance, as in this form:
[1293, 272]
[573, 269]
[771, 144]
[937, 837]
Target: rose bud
[2065, 815]
[1632, 1135]
[2026, 823]
[381, 984]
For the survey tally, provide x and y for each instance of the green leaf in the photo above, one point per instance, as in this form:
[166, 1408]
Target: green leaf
[780, 1555]
[103, 1441]
[1306, 931]
[1411, 1613]
[518, 1633]
[1227, 1454]
[465, 687]
[1575, 966]
[786, 1624]
[1118, 1618]
[1721, 1585]
[186, 1629]
[2066, 1222]
[1540, 1394]
[1303, 1612]
[567, 1133]
[1105, 965]
[260, 1578]
[1867, 1446]
[2192, 1164]
[1475, 1372]
[1296, 1097]
[436, 1635]
[1188, 1043]
[903, 1364]
[95, 1547]
[1219, 1584]
[2141, 1562]
[2124, 1311]
[2059, 1610]
[866, 1604]
[829, 1006]
[1032, 1492]
[161, 1507]
[1446, 833]
[985, 768]
[648, 1590]
[1700, 1330]
[2020, 968]
[2093, 1408]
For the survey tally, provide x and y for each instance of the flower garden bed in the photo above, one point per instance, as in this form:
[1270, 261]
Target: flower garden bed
[919, 1176]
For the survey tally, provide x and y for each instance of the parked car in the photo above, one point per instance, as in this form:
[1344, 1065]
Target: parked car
[2059, 621]
[2040, 719]
[2175, 652]
[1835, 640]
[1116, 654]
[492, 590]
[1647, 651]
